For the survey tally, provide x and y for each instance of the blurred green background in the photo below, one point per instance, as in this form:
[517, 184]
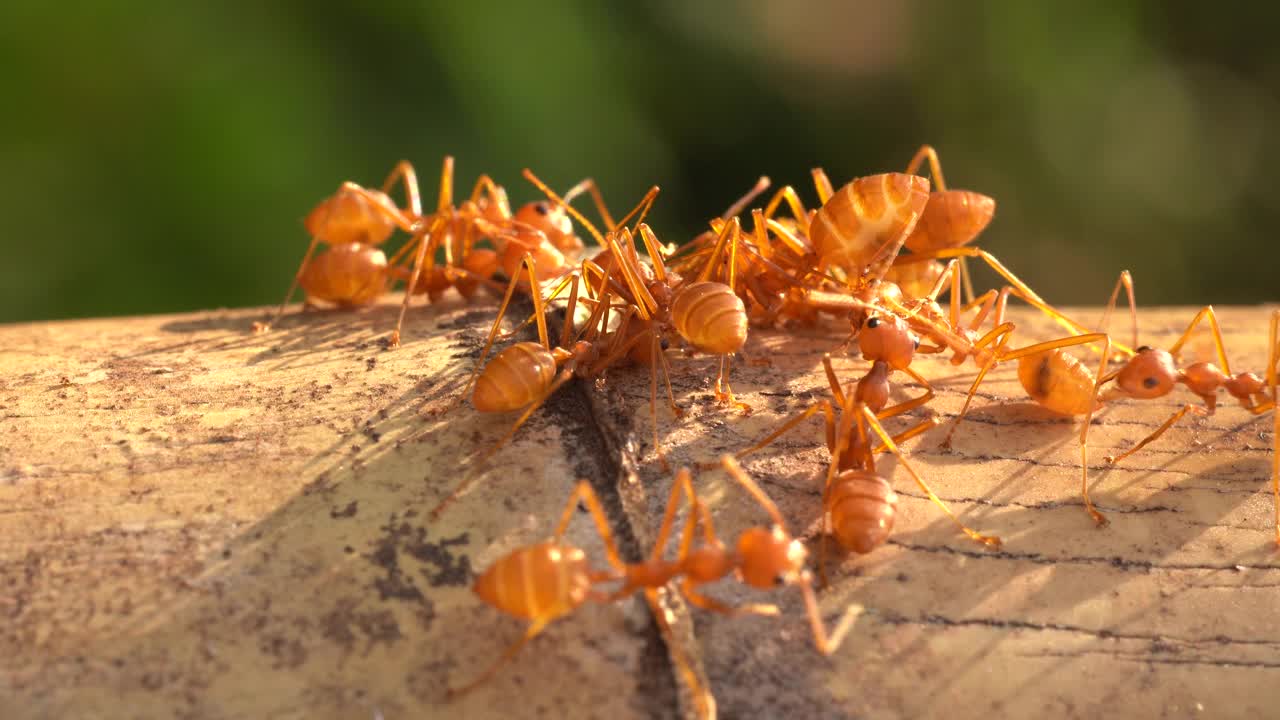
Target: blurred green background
[160, 156]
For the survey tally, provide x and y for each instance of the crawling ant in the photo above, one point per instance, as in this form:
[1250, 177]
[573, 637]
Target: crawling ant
[707, 315]
[1152, 373]
[353, 271]
[858, 503]
[548, 580]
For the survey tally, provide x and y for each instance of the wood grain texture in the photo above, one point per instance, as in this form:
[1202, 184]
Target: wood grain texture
[199, 522]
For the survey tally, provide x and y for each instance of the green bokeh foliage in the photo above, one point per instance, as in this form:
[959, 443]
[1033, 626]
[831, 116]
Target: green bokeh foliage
[160, 156]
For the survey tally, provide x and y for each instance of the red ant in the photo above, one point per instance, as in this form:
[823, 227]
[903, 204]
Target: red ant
[548, 580]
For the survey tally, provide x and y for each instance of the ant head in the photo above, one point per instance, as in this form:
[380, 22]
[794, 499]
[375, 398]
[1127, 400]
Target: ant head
[550, 219]
[887, 337]
[1150, 373]
[769, 557]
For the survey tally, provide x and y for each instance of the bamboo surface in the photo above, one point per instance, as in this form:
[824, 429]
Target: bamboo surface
[197, 521]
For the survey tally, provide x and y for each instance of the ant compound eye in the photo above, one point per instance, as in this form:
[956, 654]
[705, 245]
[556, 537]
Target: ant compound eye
[1144, 348]
[916, 345]
[541, 208]
[873, 323]
[1150, 382]
[664, 344]
[780, 579]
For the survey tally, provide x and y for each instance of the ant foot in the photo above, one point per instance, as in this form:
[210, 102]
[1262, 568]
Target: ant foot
[1111, 459]
[1099, 519]
[393, 341]
[260, 327]
[991, 541]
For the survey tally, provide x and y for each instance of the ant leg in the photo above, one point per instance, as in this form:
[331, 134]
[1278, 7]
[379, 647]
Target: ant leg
[641, 209]
[565, 376]
[870, 418]
[486, 187]
[535, 627]
[732, 228]
[735, 471]
[820, 406]
[724, 393]
[654, 248]
[741, 203]
[262, 327]
[681, 485]
[704, 702]
[654, 350]
[823, 185]
[1025, 291]
[1098, 518]
[1205, 312]
[826, 644]
[404, 171]
[1189, 407]
[445, 199]
[798, 213]
[935, 167]
[583, 492]
[913, 403]
[1126, 281]
[426, 247]
[918, 429]
[687, 588]
[551, 195]
[1005, 331]
[588, 185]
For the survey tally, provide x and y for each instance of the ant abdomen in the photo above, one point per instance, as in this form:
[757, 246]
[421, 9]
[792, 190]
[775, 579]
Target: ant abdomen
[711, 317]
[351, 274]
[862, 507]
[865, 215]
[542, 581]
[514, 378]
[1057, 381]
[951, 219]
[350, 216]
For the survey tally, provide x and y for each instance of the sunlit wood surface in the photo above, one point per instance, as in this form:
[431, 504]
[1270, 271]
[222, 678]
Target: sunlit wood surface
[199, 522]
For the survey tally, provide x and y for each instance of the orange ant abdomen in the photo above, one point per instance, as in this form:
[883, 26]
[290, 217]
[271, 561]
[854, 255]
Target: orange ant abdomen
[516, 377]
[951, 219]
[351, 274]
[539, 582]
[711, 317]
[349, 216]
[915, 279]
[862, 507]
[865, 216]
[1058, 381]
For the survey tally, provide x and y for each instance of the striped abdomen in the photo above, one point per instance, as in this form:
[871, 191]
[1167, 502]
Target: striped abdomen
[711, 317]
[516, 377]
[862, 507]
[1057, 381]
[349, 274]
[951, 219]
[865, 216]
[542, 581]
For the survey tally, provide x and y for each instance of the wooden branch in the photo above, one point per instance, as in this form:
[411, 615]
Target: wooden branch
[196, 520]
